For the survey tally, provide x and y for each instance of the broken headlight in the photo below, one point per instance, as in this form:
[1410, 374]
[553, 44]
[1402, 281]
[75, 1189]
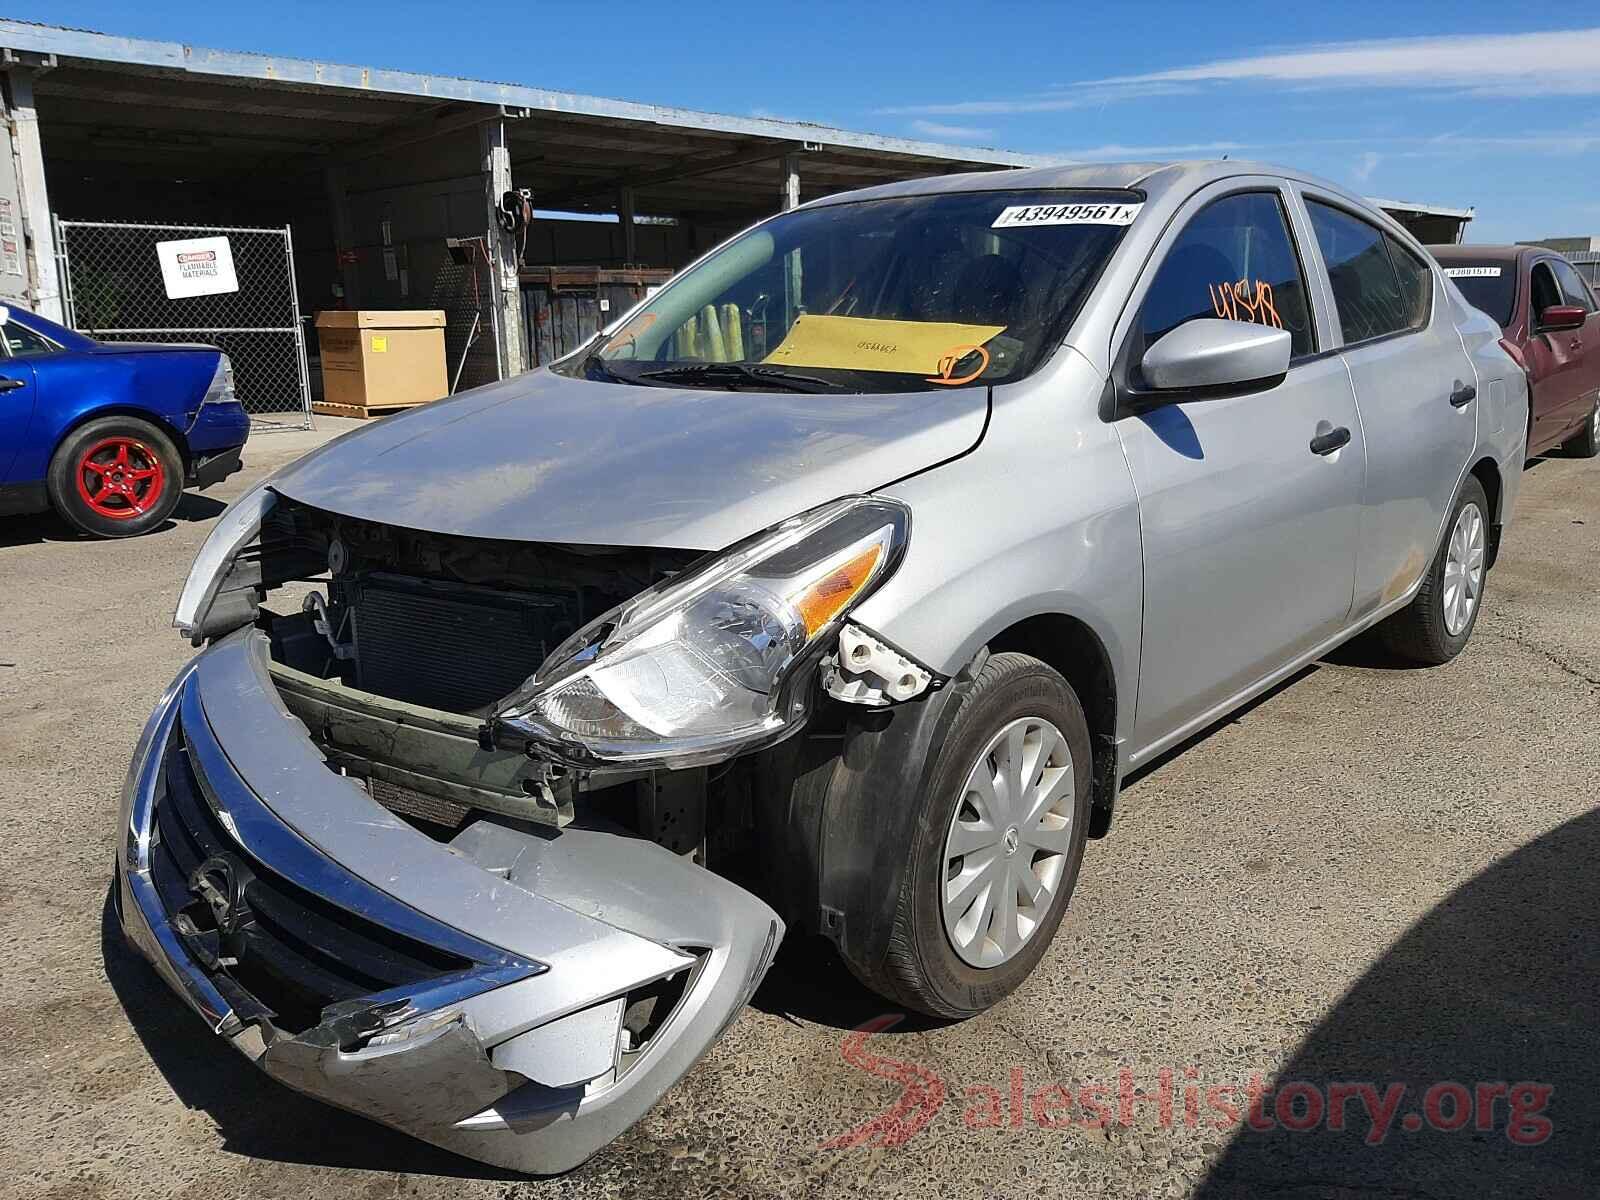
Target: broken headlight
[703, 665]
[234, 528]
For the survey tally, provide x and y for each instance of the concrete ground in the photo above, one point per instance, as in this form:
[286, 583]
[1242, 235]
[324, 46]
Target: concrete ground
[1374, 877]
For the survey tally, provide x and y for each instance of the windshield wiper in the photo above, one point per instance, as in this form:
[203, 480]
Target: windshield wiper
[731, 375]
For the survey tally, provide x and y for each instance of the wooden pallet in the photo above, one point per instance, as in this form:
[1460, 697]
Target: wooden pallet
[361, 411]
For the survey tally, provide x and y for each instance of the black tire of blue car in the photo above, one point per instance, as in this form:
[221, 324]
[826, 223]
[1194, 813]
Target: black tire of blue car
[1417, 633]
[1586, 442]
[919, 967]
[115, 477]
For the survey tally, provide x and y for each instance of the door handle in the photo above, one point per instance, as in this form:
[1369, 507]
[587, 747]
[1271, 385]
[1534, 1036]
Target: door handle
[11, 385]
[1327, 443]
[1464, 394]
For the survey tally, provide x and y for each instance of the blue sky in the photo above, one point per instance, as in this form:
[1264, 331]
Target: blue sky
[1457, 104]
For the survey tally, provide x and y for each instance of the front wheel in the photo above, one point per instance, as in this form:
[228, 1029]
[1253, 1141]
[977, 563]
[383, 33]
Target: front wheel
[1435, 626]
[116, 477]
[996, 849]
[1586, 443]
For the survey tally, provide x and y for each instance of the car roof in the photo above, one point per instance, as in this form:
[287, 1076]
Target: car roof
[1155, 179]
[1469, 253]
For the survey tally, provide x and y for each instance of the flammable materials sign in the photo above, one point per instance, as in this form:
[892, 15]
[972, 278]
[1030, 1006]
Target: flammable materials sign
[197, 267]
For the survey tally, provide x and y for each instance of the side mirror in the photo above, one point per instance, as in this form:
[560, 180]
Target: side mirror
[1208, 355]
[1561, 316]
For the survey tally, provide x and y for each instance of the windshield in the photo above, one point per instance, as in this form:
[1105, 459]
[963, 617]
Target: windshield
[907, 294]
[1489, 286]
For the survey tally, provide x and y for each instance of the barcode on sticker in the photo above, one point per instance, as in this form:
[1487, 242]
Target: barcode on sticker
[1066, 214]
[1473, 272]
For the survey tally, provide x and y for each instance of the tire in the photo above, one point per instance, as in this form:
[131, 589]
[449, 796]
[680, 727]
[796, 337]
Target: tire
[1422, 631]
[115, 477]
[923, 969]
[1586, 443]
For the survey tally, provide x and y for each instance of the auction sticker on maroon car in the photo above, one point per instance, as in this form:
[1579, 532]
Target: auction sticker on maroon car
[1472, 272]
[1021, 215]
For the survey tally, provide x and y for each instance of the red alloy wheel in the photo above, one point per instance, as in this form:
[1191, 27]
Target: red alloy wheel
[120, 478]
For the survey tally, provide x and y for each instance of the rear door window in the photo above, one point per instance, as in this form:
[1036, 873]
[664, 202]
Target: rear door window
[22, 342]
[1234, 260]
[1372, 298]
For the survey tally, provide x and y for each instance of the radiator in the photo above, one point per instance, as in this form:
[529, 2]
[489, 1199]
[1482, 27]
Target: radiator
[453, 646]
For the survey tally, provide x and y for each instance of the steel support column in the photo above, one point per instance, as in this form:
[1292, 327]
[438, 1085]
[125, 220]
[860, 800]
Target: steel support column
[31, 228]
[510, 340]
[344, 241]
[630, 233]
[790, 192]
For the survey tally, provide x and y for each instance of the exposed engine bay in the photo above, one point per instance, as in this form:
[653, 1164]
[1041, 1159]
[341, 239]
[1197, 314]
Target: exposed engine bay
[393, 645]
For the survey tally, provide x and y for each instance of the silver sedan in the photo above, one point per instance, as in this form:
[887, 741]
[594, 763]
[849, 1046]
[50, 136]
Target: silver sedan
[834, 588]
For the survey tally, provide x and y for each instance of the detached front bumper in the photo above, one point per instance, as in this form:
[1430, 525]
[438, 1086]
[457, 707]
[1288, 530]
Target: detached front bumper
[481, 995]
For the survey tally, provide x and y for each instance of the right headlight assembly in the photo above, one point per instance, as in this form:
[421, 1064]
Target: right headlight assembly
[705, 665]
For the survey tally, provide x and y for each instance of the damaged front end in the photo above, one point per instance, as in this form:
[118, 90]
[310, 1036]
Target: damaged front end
[431, 829]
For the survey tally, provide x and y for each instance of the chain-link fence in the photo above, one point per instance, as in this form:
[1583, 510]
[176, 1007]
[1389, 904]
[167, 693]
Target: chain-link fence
[232, 288]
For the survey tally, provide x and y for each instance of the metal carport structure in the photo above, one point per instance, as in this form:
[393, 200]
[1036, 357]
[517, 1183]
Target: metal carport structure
[374, 168]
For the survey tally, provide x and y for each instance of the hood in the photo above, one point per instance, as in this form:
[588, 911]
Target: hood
[546, 458]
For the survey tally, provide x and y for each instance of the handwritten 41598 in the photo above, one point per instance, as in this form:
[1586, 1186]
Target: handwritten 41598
[1242, 300]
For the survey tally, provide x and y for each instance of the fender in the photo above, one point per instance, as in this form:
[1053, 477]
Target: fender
[852, 790]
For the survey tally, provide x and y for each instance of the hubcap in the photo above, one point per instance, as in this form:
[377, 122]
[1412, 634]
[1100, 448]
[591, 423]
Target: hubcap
[1463, 570]
[1006, 851]
[120, 478]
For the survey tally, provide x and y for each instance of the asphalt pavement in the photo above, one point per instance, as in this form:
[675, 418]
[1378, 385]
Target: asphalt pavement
[1372, 893]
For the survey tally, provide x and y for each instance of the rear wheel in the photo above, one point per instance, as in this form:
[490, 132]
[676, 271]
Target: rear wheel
[1586, 444]
[116, 477]
[1435, 626]
[996, 851]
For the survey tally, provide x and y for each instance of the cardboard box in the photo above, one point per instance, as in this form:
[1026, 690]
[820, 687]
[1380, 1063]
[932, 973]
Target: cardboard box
[373, 359]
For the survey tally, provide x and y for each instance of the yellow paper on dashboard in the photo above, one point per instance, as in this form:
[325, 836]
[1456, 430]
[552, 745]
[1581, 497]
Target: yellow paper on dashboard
[870, 344]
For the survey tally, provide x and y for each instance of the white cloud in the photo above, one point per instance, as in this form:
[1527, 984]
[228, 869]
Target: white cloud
[1521, 63]
[956, 133]
[1075, 96]
[1366, 165]
[1516, 64]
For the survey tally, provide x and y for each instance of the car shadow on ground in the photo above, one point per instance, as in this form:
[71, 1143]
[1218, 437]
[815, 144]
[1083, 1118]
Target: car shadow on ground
[255, 1115]
[808, 981]
[1494, 993]
[36, 528]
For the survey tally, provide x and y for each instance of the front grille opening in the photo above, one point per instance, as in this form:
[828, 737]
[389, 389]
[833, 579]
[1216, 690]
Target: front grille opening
[443, 622]
[292, 951]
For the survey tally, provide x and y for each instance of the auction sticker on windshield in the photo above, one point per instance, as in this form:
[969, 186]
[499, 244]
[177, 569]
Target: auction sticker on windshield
[1473, 272]
[1021, 215]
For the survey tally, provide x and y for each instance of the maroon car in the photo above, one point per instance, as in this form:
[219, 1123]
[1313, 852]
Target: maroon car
[1552, 328]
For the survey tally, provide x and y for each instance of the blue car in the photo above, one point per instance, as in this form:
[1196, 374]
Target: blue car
[108, 434]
